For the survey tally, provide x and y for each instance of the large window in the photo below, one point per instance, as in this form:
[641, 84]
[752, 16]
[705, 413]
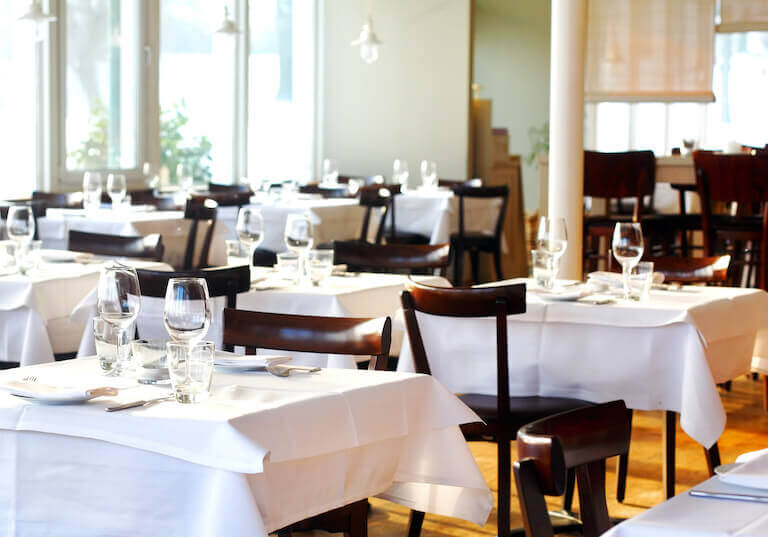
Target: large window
[18, 112]
[737, 117]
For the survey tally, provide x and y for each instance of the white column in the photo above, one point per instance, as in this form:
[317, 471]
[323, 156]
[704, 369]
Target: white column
[566, 120]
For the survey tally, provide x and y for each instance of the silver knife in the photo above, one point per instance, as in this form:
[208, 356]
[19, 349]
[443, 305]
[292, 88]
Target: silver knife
[134, 404]
[729, 496]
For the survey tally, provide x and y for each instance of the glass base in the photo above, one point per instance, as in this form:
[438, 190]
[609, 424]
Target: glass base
[190, 396]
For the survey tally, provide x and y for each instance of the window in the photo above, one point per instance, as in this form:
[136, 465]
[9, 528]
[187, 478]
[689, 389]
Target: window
[18, 110]
[102, 77]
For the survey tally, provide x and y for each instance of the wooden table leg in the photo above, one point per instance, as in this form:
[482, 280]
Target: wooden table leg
[713, 458]
[668, 446]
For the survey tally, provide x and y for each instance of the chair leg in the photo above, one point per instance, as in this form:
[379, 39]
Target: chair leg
[505, 483]
[497, 264]
[415, 521]
[458, 267]
[713, 458]
[358, 520]
[765, 393]
[570, 482]
[668, 455]
[621, 467]
[475, 262]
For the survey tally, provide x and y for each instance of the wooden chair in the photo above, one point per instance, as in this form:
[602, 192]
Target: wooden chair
[149, 247]
[738, 183]
[475, 242]
[221, 281]
[264, 258]
[375, 197]
[229, 189]
[67, 200]
[327, 192]
[201, 212]
[579, 440]
[503, 413]
[407, 258]
[324, 335]
[225, 198]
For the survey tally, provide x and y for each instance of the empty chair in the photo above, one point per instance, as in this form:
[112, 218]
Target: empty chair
[407, 258]
[226, 198]
[229, 189]
[476, 242]
[579, 440]
[63, 200]
[374, 197]
[503, 414]
[149, 247]
[325, 191]
[324, 335]
[201, 212]
[708, 270]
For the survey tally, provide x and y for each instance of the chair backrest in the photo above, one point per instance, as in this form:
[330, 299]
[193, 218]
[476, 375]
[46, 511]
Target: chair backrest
[725, 178]
[232, 189]
[372, 197]
[497, 301]
[409, 258]
[225, 198]
[201, 211]
[465, 191]
[325, 191]
[307, 333]
[710, 270]
[66, 200]
[620, 175]
[148, 247]
[577, 439]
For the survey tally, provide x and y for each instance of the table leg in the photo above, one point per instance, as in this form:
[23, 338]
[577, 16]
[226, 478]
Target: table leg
[668, 446]
[713, 458]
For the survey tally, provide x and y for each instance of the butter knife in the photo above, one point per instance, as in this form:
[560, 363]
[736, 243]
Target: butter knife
[134, 404]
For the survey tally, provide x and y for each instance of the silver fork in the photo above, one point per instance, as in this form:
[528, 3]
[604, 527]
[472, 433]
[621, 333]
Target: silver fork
[29, 378]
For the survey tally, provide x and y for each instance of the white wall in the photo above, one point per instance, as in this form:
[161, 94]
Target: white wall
[413, 103]
[511, 63]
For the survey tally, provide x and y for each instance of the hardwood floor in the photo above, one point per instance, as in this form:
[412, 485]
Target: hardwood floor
[746, 430]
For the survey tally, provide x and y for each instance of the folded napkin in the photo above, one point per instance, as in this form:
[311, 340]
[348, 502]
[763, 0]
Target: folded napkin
[64, 256]
[752, 473]
[614, 279]
[250, 363]
[48, 393]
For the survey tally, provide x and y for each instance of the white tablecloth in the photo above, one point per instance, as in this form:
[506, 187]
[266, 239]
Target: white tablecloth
[435, 214]
[332, 219]
[366, 295]
[171, 225]
[262, 453]
[664, 354]
[35, 310]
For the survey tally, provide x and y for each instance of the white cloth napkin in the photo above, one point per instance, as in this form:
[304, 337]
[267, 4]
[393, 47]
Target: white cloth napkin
[752, 473]
[256, 363]
[614, 279]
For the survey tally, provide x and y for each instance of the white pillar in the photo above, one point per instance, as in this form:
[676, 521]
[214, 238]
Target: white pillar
[566, 126]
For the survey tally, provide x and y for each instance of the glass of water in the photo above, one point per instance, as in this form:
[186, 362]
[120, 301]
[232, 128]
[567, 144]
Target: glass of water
[250, 229]
[641, 280]
[543, 268]
[108, 339]
[117, 189]
[429, 174]
[91, 190]
[190, 369]
[320, 265]
[299, 238]
[28, 256]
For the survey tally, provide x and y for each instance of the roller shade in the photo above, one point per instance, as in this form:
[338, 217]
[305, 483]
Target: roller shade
[649, 50]
[743, 15]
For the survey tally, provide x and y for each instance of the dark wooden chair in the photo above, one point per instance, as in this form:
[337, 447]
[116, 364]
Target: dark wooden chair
[579, 440]
[375, 197]
[221, 281]
[201, 212]
[503, 413]
[225, 198]
[229, 189]
[264, 258]
[149, 247]
[402, 258]
[324, 335]
[734, 212]
[325, 191]
[476, 242]
[59, 200]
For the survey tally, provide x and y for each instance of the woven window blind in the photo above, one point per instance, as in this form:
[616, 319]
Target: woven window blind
[743, 15]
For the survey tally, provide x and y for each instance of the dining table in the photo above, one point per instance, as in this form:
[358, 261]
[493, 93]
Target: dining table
[36, 308]
[346, 294]
[55, 226]
[667, 353]
[262, 452]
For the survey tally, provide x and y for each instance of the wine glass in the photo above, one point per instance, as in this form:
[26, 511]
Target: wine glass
[552, 238]
[91, 190]
[187, 311]
[20, 224]
[400, 174]
[299, 238]
[330, 172]
[116, 188]
[627, 249]
[250, 229]
[151, 179]
[118, 303]
[428, 174]
[184, 175]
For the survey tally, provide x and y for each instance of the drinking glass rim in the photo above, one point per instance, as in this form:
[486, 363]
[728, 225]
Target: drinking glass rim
[204, 343]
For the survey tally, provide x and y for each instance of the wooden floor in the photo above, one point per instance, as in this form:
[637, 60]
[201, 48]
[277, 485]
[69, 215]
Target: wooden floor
[746, 430]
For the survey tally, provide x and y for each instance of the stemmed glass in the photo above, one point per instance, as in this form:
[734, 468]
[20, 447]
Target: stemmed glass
[400, 174]
[116, 188]
[552, 238]
[299, 239]
[627, 249]
[118, 303]
[91, 190]
[20, 226]
[330, 172]
[250, 229]
[184, 175]
[428, 174]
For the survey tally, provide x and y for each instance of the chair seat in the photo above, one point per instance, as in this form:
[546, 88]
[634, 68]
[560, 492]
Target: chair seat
[524, 410]
[405, 237]
[604, 223]
[474, 239]
[675, 222]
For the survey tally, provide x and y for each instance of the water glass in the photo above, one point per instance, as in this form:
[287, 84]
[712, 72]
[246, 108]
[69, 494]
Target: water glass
[116, 188]
[320, 265]
[150, 361]
[429, 174]
[91, 190]
[299, 238]
[237, 253]
[543, 264]
[8, 257]
[641, 280]
[288, 265]
[627, 246]
[250, 229]
[191, 370]
[119, 302]
[108, 339]
[28, 256]
[400, 174]
[20, 223]
[330, 172]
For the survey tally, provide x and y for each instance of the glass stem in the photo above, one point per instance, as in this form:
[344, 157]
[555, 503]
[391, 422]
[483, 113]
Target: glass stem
[625, 278]
[118, 358]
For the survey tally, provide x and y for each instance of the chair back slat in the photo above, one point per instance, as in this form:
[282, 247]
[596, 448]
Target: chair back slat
[221, 281]
[201, 211]
[148, 247]
[374, 197]
[361, 256]
[305, 333]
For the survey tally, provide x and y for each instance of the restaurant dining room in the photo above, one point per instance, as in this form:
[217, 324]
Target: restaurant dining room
[383, 267]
